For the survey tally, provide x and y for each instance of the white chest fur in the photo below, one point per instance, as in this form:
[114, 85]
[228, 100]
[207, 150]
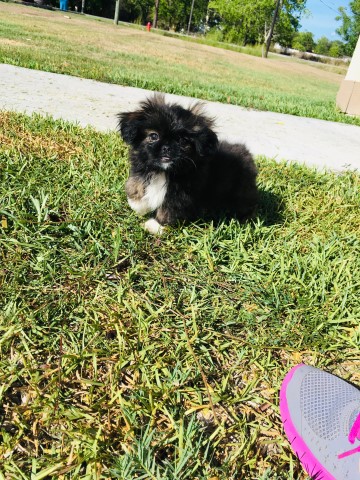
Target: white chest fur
[153, 197]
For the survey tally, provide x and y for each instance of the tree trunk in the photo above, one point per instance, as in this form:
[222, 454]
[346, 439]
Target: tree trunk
[117, 12]
[156, 13]
[269, 38]
[191, 12]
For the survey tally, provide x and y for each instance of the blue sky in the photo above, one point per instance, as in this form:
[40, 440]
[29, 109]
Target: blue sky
[322, 18]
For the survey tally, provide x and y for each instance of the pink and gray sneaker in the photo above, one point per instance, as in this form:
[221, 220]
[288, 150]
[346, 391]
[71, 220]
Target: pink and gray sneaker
[321, 417]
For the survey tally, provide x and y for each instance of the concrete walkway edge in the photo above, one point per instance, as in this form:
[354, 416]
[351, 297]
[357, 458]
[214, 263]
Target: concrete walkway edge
[317, 143]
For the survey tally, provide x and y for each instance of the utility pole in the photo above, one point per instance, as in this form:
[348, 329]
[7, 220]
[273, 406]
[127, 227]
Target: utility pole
[269, 38]
[191, 12]
[117, 11]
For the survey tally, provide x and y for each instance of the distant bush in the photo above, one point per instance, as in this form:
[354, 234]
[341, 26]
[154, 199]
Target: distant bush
[215, 34]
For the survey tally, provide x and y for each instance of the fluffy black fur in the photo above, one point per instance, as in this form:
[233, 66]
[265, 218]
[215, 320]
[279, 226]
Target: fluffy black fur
[205, 178]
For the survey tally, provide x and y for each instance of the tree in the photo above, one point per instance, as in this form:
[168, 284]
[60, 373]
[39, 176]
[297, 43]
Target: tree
[156, 13]
[175, 14]
[100, 8]
[323, 46]
[336, 49]
[349, 30]
[129, 10]
[249, 21]
[269, 35]
[304, 42]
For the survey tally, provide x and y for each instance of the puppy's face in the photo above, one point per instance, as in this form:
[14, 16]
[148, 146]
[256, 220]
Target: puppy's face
[164, 150]
[167, 137]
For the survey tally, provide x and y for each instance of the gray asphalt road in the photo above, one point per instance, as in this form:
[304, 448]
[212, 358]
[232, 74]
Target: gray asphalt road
[325, 145]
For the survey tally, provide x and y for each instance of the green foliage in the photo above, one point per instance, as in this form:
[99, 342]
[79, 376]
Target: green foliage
[175, 15]
[350, 26]
[285, 28]
[322, 46]
[215, 34]
[139, 11]
[337, 49]
[250, 19]
[304, 41]
[96, 7]
[334, 48]
[172, 14]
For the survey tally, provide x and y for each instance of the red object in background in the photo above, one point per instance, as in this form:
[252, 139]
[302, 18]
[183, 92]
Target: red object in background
[148, 26]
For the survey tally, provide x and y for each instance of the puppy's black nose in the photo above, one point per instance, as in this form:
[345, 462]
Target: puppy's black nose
[165, 151]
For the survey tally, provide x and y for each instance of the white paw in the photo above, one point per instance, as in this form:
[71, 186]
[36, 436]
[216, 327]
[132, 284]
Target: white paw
[153, 226]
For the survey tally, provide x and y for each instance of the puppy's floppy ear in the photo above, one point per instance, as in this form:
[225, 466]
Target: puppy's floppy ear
[129, 125]
[206, 141]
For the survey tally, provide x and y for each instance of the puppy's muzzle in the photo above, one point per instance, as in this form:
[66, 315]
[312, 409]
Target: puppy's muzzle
[165, 153]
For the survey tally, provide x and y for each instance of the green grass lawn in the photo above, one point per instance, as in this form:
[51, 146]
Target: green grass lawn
[97, 49]
[127, 356]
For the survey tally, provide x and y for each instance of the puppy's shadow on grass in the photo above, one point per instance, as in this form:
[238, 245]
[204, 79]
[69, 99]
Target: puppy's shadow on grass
[271, 208]
[269, 211]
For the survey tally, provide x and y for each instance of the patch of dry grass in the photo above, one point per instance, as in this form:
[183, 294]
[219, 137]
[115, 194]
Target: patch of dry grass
[15, 136]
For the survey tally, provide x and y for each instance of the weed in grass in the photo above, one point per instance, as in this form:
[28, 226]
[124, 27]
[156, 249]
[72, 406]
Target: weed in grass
[123, 355]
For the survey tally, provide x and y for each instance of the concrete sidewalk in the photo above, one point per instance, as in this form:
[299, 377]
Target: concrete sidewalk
[325, 145]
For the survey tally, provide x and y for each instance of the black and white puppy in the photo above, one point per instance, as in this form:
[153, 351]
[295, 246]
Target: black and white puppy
[180, 171]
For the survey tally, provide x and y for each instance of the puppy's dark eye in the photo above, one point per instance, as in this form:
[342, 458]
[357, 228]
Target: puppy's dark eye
[153, 136]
